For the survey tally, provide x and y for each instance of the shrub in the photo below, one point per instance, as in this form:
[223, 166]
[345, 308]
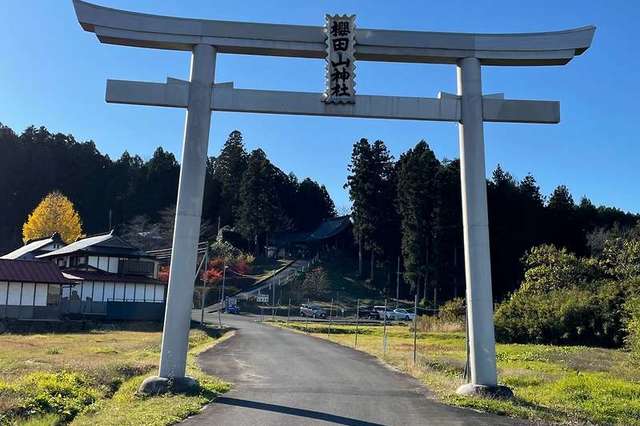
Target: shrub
[453, 310]
[61, 394]
[450, 318]
[433, 323]
[632, 326]
[563, 316]
[621, 257]
[549, 268]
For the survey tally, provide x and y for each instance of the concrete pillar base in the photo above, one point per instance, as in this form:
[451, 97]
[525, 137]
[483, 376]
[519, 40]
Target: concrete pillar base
[499, 391]
[157, 385]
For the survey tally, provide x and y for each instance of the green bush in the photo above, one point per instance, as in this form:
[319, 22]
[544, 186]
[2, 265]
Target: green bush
[632, 313]
[565, 299]
[548, 268]
[61, 394]
[563, 316]
[453, 310]
[450, 318]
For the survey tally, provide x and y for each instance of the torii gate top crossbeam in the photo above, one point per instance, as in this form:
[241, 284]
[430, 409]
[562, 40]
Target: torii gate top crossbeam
[162, 32]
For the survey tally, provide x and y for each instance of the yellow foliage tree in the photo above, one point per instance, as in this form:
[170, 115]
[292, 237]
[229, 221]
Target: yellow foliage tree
[55, 213]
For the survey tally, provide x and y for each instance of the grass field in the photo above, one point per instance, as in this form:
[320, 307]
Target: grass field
[91, 378]
[565, 384]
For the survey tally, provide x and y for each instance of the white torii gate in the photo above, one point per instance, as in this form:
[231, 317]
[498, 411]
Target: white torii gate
[200, 95]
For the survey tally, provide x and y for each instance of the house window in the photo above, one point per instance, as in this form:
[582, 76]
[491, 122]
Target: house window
[78, 260]
[53, 295]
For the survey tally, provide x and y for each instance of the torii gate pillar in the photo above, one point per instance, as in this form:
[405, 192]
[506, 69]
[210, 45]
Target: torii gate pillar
[475, 220]
[188, 211]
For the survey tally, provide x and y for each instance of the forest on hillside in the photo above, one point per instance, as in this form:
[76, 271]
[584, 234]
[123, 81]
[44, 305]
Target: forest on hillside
[411, 208]
[407, 209]
[130, 193]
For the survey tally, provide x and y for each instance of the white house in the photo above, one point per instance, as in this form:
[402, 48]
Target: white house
[30, 289]
[114, 278]
[104, 277]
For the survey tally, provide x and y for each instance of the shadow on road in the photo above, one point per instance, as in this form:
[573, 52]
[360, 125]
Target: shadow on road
[294, 411]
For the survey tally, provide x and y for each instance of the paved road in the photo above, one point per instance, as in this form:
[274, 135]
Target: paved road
[284, 378]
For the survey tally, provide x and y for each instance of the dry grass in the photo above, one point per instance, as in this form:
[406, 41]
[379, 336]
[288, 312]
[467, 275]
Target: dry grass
[564, 384]
[91, 352]
[428, 323]
[101, 366]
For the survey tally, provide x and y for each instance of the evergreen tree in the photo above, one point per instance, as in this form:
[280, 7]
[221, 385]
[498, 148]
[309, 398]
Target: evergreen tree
[312, 205]
[417, 197]
[259, 212]
[562, 222]
[159, 187]
[372, 190]
[228, 170]
[448, 244]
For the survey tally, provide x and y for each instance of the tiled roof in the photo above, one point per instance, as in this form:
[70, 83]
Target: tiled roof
[104, 244]
[327, 229]
[31, 246]
[330, 228]
[31, 271]
[97, 275]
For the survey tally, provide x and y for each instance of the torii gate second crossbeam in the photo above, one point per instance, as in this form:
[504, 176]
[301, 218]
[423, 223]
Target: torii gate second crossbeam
[200, 95]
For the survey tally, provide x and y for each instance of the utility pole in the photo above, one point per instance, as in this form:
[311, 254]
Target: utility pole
[455, 271]
[384, 329]
[398, 283]
[330, 312]
[415, 326]
[204, 285]
[224, 277]
[273, 301]
[355, 345]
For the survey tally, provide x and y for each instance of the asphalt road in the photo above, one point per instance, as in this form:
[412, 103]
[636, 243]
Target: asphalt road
[285, 378]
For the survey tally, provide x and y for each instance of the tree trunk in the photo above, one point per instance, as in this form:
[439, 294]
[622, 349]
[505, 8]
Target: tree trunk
[255, 244]
[360, 256]
[426, 269]
[455, 272]
[372, 264]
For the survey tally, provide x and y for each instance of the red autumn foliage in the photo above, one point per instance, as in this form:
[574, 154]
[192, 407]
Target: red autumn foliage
[241, 266]
[213, 273]
[163, 274]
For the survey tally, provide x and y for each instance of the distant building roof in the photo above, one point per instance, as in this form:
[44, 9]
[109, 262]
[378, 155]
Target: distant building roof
[98, 275]
[330, 228]
[103, 245]
[327, 229]
[31, 271]
[33, 247]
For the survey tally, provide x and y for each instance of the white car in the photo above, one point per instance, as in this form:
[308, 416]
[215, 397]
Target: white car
[382, 314]
[400, 314]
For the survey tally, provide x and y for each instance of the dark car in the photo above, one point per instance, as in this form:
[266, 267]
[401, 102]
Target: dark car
[368, 312]
[312, 311]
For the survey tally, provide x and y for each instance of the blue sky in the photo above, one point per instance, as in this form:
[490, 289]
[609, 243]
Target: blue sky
[53, 73]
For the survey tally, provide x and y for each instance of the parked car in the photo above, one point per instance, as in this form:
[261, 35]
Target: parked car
[400, 314]
[312, 311]
[368, 312]
[382, 313]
